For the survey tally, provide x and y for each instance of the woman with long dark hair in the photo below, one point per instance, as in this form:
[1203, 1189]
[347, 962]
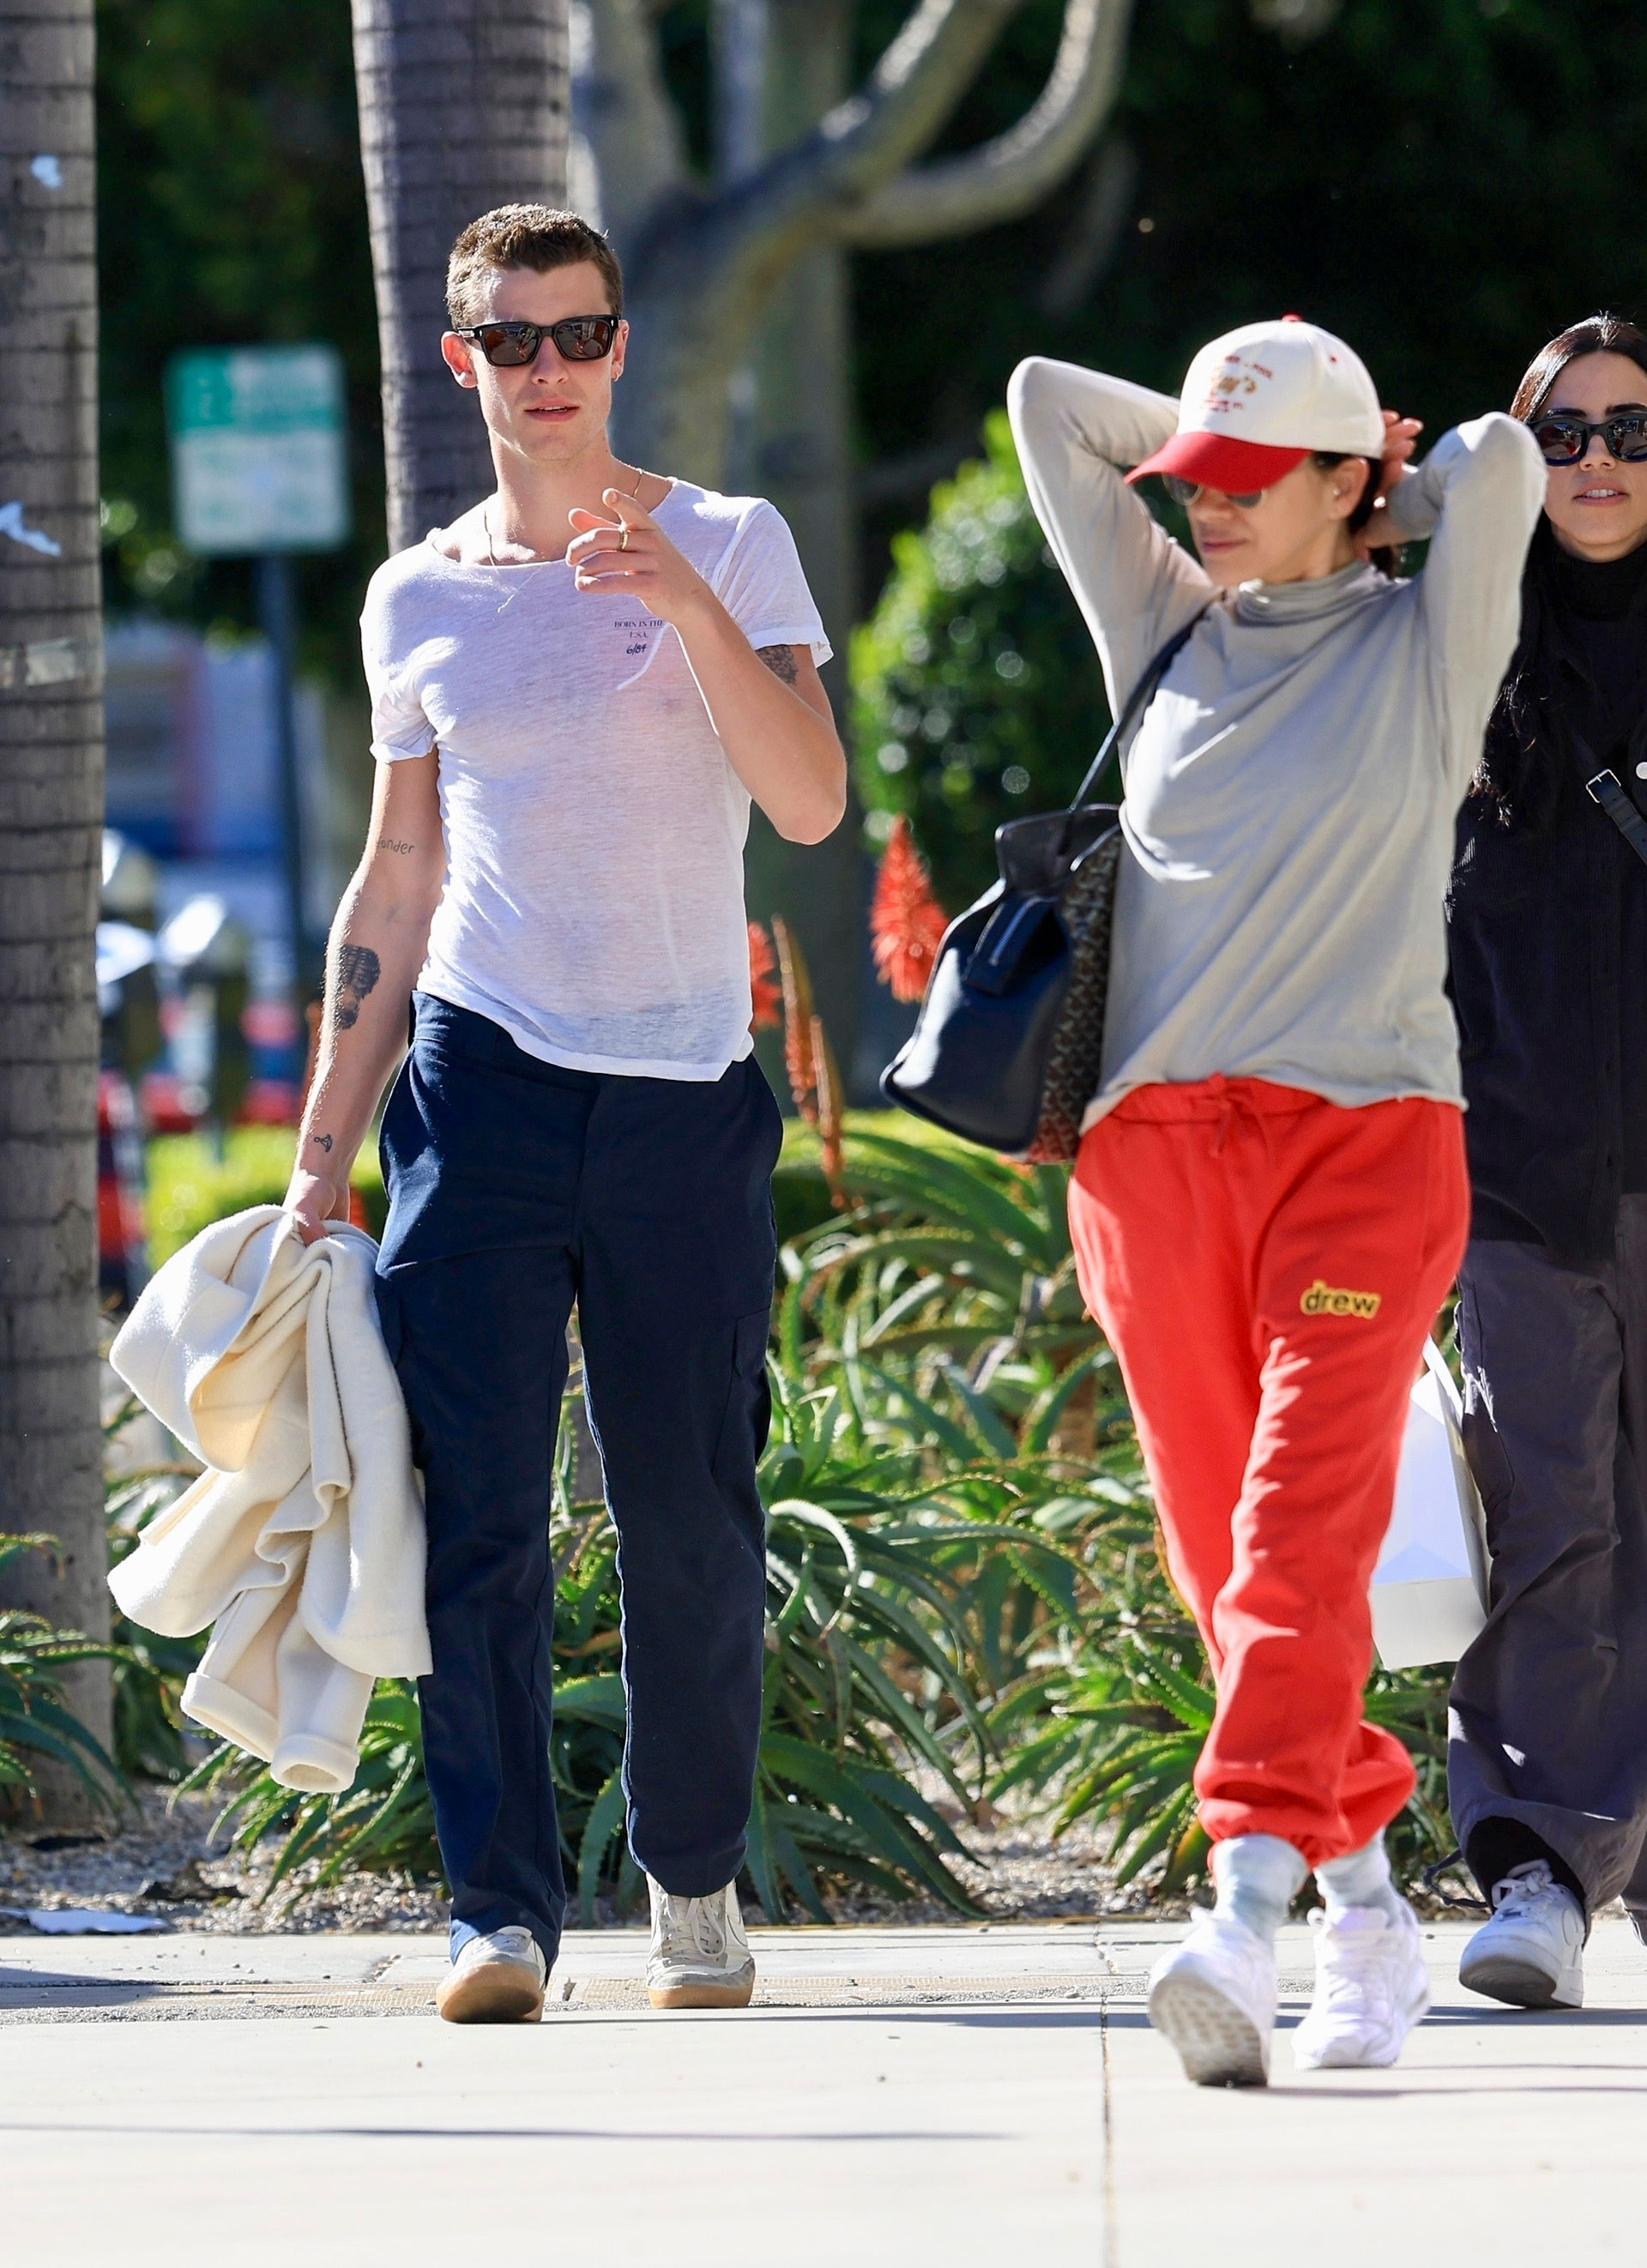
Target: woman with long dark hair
[1548, 932]
[1270, 1199]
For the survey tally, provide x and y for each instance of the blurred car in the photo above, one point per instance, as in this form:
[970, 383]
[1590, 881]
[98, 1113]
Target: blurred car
[122, 1266]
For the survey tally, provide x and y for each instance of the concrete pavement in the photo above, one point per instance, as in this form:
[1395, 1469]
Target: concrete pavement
[916, 2096]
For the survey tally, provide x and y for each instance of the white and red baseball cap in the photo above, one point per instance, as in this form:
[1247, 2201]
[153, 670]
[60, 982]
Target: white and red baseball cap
[1259, 401]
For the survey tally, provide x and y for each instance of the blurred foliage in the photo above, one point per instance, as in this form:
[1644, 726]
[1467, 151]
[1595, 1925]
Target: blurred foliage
[1445, 182]
[231, 212]
[975, 680]
[191, 1182]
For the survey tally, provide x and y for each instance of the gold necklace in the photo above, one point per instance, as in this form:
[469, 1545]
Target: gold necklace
[492, 559]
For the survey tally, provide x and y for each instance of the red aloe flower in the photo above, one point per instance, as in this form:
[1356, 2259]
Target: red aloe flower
[907, 924]
[764, 997]
[828, 1074]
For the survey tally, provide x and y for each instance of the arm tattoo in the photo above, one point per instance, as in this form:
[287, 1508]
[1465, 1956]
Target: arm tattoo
[401, 849]
[780, 659]
[358, 969]
[325, 1141]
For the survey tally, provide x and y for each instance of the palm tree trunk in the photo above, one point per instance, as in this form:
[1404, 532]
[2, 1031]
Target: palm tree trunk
[51, 812]
[463, 107]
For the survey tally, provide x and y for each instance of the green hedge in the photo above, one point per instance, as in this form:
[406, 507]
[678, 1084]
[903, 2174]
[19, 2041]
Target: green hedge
[977, 696]
[190, 1186]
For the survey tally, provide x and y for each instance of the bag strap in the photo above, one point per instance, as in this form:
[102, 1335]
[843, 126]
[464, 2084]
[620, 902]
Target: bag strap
[1143, 694]
[1605, 788]
[1608, 790]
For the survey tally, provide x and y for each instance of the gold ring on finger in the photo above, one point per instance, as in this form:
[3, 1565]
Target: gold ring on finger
[623, 540]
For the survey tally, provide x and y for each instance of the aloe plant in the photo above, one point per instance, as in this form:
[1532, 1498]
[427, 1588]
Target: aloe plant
[871, 1673]
[36, 1727]
[945, 1305]
[965, 1597]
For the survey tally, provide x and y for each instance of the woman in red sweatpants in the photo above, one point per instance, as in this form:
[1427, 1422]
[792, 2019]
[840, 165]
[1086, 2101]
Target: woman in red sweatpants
[1270, 1197]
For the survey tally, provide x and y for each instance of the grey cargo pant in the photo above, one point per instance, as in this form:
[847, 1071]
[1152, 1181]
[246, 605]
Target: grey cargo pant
[1549, 1722]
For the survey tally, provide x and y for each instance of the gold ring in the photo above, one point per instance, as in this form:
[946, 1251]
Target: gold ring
[624, 540]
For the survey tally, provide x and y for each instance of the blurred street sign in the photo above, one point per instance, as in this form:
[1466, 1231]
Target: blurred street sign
[258, 462]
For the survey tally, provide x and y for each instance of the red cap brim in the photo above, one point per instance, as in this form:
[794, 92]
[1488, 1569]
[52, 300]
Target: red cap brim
[1218, 461]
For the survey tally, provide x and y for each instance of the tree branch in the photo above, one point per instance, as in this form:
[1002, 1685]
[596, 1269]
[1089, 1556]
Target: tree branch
[621, 108]
[1101, 215]
[1011, 174]
[802, 193]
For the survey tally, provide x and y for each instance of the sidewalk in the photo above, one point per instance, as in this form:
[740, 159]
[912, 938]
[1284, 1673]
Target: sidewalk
[933, 2098]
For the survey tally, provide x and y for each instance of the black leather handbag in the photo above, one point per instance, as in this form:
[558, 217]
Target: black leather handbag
[1009, 1044]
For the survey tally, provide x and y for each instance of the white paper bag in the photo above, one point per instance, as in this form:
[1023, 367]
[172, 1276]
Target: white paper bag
[1430, 1586]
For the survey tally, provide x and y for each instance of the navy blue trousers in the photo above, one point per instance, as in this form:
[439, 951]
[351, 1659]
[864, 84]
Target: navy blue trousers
[516, 1188]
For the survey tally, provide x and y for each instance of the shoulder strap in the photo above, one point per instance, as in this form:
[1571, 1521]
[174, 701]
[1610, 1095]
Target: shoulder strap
[1608, 790]
[1142, 695]
[1605, 788]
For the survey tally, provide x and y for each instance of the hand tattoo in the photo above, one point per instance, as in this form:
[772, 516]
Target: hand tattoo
[325, 1141]
[780, 659]
[358, 969]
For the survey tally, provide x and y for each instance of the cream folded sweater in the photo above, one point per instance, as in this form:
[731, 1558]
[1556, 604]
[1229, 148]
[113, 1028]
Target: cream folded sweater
[302, 1544]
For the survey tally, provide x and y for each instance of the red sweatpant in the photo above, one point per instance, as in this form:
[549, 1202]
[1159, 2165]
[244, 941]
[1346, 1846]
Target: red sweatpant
[1266, 1266]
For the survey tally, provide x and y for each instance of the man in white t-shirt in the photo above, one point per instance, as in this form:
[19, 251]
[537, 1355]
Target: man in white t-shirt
[577, 690]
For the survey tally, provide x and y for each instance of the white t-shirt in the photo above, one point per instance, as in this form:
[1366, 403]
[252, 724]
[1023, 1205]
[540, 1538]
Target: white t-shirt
[594, 830]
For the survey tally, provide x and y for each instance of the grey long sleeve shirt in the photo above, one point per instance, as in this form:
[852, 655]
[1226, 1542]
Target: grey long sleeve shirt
[1291, 791]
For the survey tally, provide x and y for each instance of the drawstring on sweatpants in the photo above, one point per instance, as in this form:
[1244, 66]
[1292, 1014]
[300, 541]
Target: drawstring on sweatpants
[1234, 1104]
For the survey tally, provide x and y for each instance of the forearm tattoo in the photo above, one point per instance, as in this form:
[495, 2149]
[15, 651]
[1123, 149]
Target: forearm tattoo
[358, 969]
[780, 659]
[325, 1141]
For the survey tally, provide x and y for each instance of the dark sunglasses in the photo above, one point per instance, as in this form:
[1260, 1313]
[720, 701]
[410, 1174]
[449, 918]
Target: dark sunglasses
[1566, 440]
[1185, 492]
[578, 338]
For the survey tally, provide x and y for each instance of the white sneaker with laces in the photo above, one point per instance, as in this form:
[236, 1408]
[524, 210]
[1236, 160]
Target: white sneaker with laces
[496, 1979]
[1531, 1953]
[1214, 1996]
[1371, 1989]
[700, 1956]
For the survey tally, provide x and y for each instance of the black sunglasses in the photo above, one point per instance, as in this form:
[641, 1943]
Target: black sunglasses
[1566, 440]
[1185, 492]
[578, 338]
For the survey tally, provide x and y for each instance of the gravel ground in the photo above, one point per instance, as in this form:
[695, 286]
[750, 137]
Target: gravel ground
[163, 1862]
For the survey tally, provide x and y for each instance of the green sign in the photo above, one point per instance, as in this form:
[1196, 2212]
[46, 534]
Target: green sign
[258, 459]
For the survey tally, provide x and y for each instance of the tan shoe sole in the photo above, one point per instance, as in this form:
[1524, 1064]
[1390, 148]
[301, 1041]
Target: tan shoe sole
[491, 1993]
[701, 1996]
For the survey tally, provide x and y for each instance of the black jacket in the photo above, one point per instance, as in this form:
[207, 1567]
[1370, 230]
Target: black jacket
[1548, 924]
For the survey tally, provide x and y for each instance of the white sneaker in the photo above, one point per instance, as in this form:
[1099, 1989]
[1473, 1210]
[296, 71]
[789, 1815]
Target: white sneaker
[1532, 1952]
[1371, 1989]
[700, 1956]
[1214, 1996]
[496, 1979]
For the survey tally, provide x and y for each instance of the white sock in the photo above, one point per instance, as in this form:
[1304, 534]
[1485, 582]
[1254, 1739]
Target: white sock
[1361, 1878]
[1258, 1877]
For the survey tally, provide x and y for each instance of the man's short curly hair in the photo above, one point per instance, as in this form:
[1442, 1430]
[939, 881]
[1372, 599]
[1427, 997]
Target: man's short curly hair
[524, 236]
